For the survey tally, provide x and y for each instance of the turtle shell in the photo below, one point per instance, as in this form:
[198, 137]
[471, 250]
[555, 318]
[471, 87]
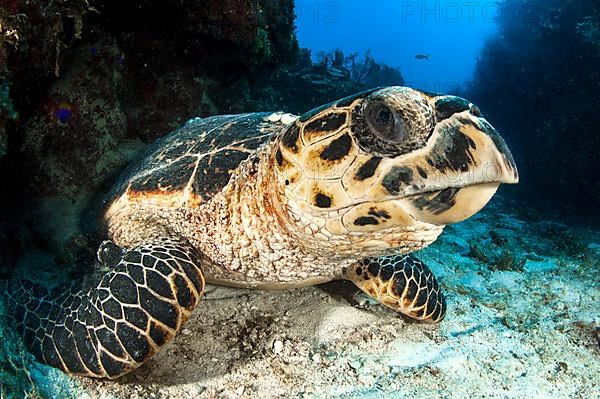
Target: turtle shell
[196, 161]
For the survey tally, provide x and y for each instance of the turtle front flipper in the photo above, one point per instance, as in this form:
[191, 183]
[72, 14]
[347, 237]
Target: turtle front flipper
[117, 321]
[400, 282]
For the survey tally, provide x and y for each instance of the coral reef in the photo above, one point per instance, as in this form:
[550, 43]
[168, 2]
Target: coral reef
[35, 40]
[83, 87]
[363, 70]
[295, 90]
[539, 82]
[71, 141]
[307, 84]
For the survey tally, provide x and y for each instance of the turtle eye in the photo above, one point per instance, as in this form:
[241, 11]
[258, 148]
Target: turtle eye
[385, 123]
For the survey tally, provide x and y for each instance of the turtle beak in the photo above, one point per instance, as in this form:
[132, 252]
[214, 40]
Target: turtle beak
[500, 163]
[468, 161]
[454, 175]
[467, 151]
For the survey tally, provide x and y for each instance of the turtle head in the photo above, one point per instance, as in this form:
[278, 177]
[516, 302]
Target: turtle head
[390, 159]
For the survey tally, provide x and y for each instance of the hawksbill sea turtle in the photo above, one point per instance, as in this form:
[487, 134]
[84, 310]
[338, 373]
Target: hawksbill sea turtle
[270, 201]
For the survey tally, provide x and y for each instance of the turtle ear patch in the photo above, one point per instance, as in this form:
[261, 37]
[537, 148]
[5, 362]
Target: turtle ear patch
[288, 172]
[279, 157]
[283, 163]
[330, 158]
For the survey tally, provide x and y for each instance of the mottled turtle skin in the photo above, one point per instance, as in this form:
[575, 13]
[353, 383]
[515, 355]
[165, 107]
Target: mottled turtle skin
[271, 201]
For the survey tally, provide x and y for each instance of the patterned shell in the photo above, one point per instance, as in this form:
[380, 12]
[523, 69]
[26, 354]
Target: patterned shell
[196, 161]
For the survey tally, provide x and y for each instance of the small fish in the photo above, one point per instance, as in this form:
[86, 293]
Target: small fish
[422, 57]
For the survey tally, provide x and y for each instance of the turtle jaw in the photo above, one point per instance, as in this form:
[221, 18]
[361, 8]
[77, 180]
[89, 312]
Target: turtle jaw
[451, 205]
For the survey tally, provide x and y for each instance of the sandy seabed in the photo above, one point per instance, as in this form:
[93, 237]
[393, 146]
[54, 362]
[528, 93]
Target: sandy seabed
[523, 322]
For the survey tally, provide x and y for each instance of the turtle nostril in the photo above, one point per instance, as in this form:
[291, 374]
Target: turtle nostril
[475, 111]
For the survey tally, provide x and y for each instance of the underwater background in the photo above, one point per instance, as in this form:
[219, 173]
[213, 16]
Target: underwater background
[86, 85]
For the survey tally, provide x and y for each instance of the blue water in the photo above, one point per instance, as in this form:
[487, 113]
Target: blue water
[453, 34]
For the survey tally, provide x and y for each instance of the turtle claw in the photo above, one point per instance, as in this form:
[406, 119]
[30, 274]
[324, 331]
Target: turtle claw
[402, 283]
